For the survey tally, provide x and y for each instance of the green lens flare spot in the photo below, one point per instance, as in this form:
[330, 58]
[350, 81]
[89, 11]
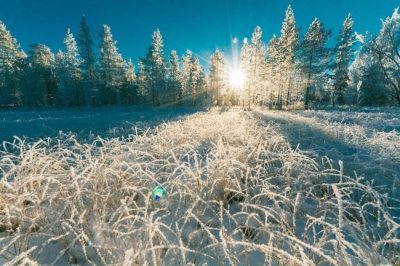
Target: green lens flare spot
[159, 193]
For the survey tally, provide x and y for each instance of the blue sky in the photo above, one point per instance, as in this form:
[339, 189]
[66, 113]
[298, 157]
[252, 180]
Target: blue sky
[199, 25]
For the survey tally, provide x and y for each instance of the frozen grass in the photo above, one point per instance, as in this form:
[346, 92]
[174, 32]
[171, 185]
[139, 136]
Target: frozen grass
[239, 194]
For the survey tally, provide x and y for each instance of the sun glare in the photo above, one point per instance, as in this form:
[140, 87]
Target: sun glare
[237, 78]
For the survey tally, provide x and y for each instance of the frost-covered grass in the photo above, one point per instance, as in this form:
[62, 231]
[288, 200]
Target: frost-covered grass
[241, 192]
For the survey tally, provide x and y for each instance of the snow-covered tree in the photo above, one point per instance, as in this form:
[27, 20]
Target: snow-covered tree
[344, 51]
[356, 72]
[128, 93]
[41, 83]
[72, 61]
[88, 61]
[155, 67]
[218, 78]
[386, 48]
[111, 67]
[130, 75]
[288, 45]
[11, 60]
[186, 74]
[373, 89]
[252, 62]
[197, 81]
[141, 80]
[272, 73]
[174, 78]
[314, 55]
[60, 72]
[193, 79]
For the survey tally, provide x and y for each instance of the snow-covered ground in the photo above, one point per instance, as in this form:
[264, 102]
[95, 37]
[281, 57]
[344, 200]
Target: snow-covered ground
[244, 188]
[106, 122]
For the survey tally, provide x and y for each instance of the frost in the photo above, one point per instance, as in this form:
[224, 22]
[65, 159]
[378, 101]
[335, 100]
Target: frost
[241, 189]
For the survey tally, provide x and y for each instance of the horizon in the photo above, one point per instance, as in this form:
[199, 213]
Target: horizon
[236, 20]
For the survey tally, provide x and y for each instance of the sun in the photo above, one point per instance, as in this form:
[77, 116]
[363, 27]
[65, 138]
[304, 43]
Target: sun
[237, 78]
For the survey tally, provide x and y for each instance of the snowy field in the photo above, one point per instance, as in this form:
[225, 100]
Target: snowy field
[244, 188]
[84, 122]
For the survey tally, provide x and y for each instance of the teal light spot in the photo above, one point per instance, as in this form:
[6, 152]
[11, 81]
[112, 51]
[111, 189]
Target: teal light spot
[159, 193]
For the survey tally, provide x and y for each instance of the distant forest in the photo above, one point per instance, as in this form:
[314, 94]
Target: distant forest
[290, 69]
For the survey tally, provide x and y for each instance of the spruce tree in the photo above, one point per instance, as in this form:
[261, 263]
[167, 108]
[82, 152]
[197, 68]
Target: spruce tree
[88, 61]
[186, 75]
[63, 93]
[72, 63]
[41, 82]
[252, 62]
[156, 68]
[196, 81]
[111, 66]
[174, 78]
[373, 89]
[11, 61]
[313, 55]
[218, 77]
[343, 58]
[288, 44]
[142, 83]
[273, 75]
[129, 86]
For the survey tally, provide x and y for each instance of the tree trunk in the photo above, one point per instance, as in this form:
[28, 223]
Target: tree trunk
[249, 97]
[308, 83]
[306, 97]
[288, 92]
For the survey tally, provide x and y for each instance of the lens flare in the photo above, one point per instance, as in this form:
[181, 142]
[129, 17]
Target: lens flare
[159, 193]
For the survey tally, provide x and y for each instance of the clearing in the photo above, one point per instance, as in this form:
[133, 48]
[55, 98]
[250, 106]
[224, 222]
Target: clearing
[244, 188]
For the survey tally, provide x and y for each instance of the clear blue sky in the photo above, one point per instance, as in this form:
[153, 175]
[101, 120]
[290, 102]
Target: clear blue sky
[199, 25]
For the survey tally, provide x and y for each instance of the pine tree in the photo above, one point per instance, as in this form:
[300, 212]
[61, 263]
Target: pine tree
[218, 78]
[130, 75]
[88, 61]
[186, 74]
[288, 45]
[156, 68]
[111, 67]
[273, 75]
[193, 80]
[314, 55]
[174, 78]
[142, 83]
[129, 87]
[60, 72]
[343, 58]
[252, 62]
[11, 61]
[373, 89]
[72, 63]
[196, 81]
[41, 82]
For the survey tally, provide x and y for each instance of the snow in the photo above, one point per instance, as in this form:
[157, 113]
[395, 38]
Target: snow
[106, 122]
[244, 187]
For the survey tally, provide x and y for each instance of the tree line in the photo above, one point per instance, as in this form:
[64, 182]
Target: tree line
[290, 69]
[75, 76]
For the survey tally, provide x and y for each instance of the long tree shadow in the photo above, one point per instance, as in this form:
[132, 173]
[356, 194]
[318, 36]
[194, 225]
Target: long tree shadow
[357, 160]
[35, 123]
